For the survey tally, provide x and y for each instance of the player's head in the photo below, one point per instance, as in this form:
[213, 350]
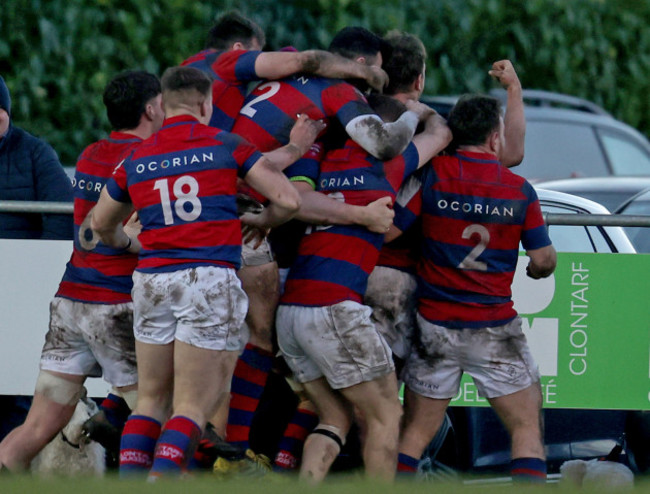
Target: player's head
[476, 120]
[129, 95]
[187, 89]
[357, 43]
[232, 28]
[388, 108]
[406, 64]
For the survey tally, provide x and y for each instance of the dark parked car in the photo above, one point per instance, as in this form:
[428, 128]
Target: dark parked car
[570, 137]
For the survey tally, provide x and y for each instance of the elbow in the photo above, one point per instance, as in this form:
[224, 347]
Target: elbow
[544, 266]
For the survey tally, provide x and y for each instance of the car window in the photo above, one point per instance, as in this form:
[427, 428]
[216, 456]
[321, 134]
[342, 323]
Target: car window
[638, 235]
[572, 238]
[625, 155]
[561, 150]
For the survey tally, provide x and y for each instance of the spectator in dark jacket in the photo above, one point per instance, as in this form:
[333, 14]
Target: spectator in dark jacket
[30, 171]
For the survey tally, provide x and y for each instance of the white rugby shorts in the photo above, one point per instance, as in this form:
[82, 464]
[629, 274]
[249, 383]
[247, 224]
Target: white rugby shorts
[203, 306]
[497, 358]
[91, 339]
[339, 342]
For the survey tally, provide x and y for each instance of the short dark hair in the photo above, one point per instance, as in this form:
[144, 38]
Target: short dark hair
[233, 27]
[126, 97]
[387, 107]
[406, 61]
[473, 118]
[183, 85]
[351, 42]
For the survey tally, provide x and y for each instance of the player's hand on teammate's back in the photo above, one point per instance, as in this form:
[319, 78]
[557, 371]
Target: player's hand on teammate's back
[305, 131]
[380, 215]
[422, 110]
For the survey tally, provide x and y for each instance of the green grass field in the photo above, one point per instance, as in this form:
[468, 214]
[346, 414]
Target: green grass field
[268, 485]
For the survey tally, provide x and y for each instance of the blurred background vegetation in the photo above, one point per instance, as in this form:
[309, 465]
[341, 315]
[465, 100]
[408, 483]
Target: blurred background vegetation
[57, 55]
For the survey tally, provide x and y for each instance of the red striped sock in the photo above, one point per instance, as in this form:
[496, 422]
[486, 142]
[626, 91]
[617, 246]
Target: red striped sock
[528, 470]
[407, 465]
[176, 446]
[249, 379]
[138, 444]
[293, 439]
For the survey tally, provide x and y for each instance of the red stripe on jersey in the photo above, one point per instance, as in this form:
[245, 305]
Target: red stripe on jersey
[316, 293]
[189, 235]
[434, 310]
[403, 259]
[91, 293]
[496, 284]
[450, 231]
[356, 251]
[109, 265]
[296, 431]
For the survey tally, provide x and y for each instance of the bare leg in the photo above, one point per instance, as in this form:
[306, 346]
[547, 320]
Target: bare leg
[155, 380]
[201, 378]
[379, 404]
[422, 418]
[45, 419]
[261, 284]
[320, 451]
[521, 415]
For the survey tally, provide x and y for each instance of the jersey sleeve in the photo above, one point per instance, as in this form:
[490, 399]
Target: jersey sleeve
[242, 151]
[345, 102]
[307, 168]
[534, 234]
[408, 204]
[116, 185]
[236, 66]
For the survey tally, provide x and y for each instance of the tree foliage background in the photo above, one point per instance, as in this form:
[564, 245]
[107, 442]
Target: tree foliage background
[57, 55]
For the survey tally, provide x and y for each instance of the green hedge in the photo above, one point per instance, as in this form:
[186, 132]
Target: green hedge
[57, 55]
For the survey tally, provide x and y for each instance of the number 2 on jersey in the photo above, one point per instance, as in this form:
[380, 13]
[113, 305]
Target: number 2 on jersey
[470, 261]
[191, 197]
[248, 110]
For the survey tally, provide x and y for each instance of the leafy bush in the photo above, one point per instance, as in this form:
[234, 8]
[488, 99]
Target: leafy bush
[57, 55]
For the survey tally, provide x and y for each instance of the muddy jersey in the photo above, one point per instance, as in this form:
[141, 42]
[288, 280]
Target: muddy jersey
[231, 71]
[474, 214]
[334, 262]
[97, 273]
[182, 183]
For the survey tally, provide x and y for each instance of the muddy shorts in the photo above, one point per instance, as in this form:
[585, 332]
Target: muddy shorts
[339, 342]
[91, 339]
[256, 257]
[497, 358]
[391, 295]
[203, 307]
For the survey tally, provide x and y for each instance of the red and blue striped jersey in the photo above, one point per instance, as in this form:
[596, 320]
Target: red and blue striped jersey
[334, 262]
[182, 182]
[101, 275]
[231, 71]
[269, 112]
[474, 212]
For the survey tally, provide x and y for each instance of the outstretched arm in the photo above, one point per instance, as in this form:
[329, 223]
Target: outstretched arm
[515, 120]
[107, 219]
[278, 64]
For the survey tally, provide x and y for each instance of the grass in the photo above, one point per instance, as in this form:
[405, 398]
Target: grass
[348, 484]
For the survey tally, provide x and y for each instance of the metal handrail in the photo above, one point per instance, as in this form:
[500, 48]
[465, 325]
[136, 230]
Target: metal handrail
[39, 207]
[550, 218]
